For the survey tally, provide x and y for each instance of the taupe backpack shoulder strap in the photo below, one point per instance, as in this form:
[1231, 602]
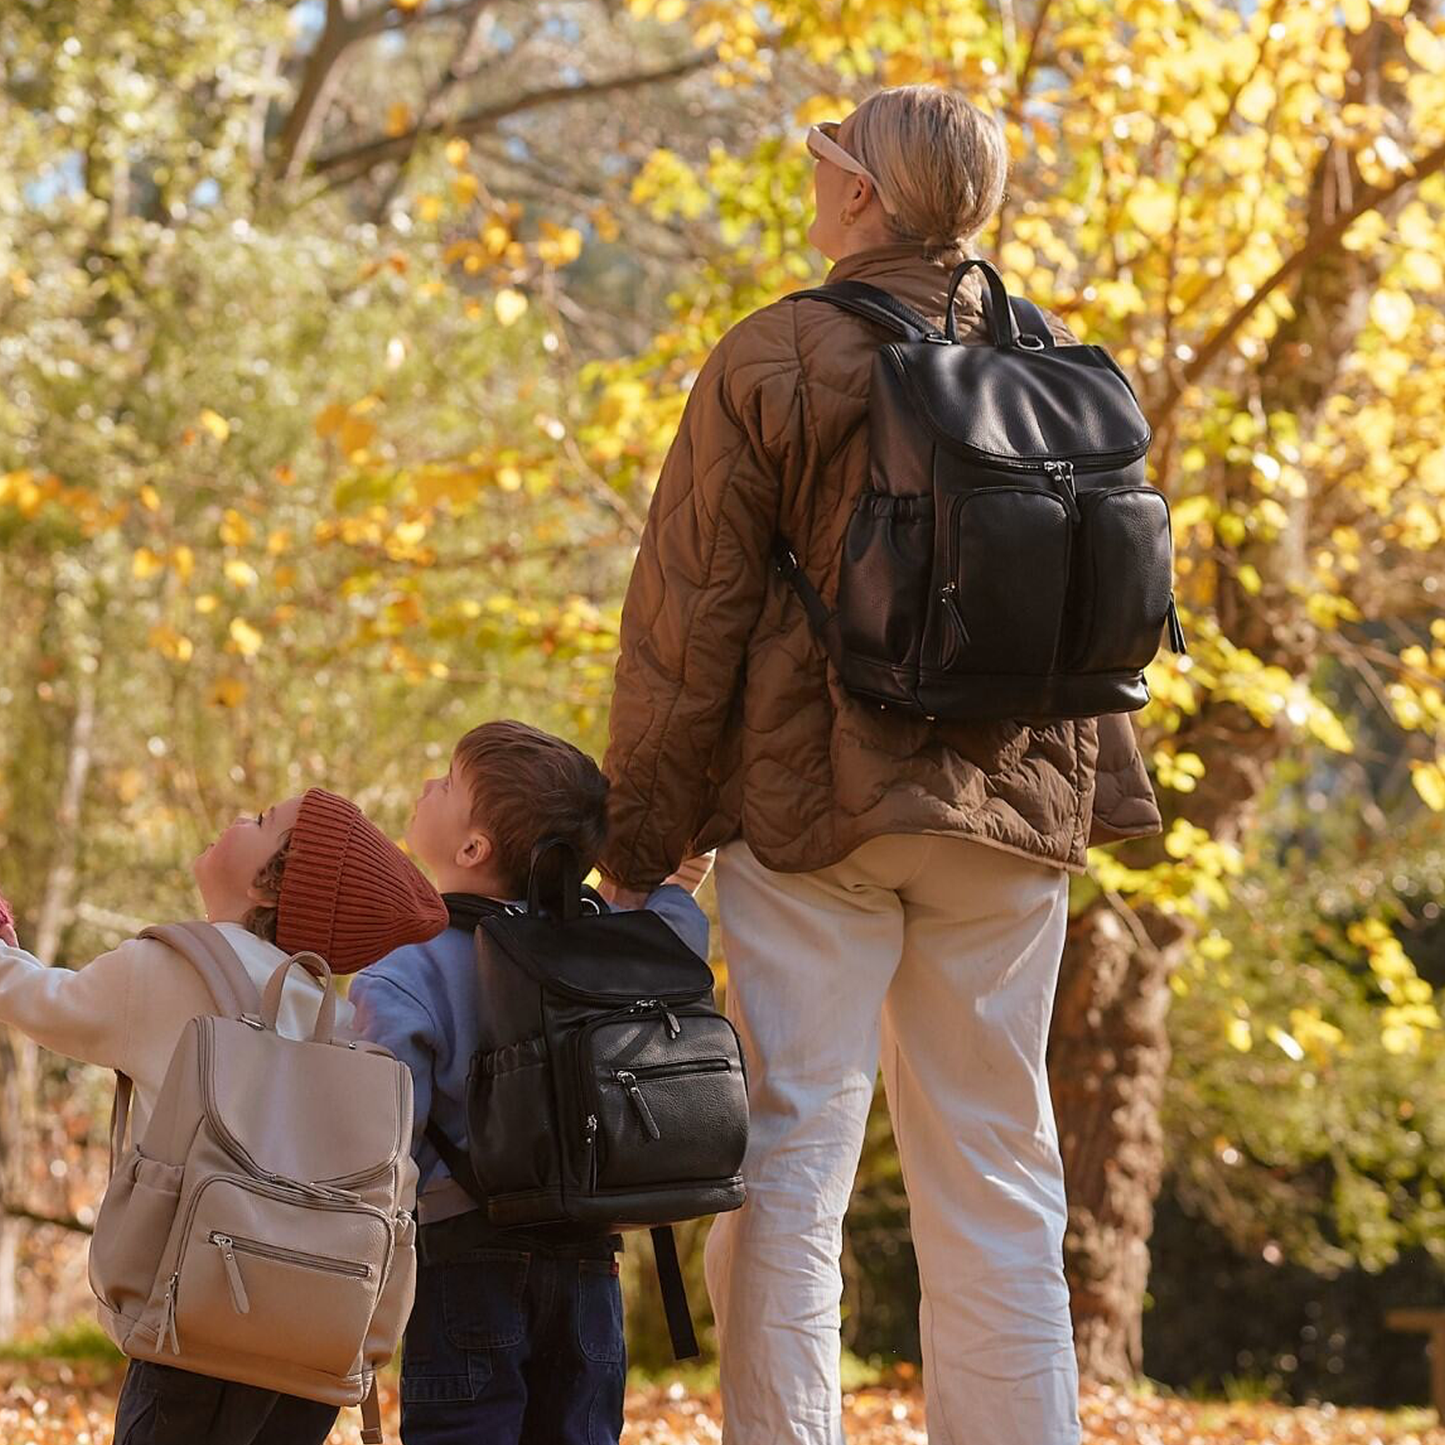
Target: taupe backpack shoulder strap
[205, 948]
[234, 992]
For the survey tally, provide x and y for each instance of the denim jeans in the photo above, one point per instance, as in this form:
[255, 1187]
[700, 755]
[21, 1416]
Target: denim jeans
[515, 1347]
[160, 1405]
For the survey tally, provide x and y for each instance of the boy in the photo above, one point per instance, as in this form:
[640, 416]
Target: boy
[516, 1337]
[310, 873]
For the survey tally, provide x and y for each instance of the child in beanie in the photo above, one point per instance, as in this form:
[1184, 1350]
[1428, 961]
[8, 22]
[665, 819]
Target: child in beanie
[516, 1335]
[309, 873]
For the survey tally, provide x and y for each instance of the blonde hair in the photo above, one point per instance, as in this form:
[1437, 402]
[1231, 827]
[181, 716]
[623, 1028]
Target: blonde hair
[941, 161]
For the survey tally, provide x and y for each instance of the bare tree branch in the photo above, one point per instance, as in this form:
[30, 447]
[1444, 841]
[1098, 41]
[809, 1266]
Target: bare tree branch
[326, 66]
[13, 1210]
[357, 160]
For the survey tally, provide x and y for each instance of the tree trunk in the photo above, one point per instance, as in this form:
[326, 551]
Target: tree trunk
[19, 1058]
[1109, 1052]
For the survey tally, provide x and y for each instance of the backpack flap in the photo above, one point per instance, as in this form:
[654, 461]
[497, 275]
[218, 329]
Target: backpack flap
[1021, 404]
[276, 1104]
[612, 958]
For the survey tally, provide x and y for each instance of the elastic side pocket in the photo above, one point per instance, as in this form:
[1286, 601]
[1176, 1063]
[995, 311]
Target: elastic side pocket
[883, 588]
[509, 1119]
[131, 1230]
[397, 1293]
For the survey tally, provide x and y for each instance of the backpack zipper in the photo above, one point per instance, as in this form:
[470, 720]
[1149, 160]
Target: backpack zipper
[1061, 475]
[628, 1081]
[301, 1195]
[948, 595]
[631, 1082]
[325, 1263]
[240, 1300]
[1176, 629]
[682, 1066]
[167, 1334]
[589, 1139]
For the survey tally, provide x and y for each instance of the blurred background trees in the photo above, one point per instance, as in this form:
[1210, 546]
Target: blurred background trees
[340, 344]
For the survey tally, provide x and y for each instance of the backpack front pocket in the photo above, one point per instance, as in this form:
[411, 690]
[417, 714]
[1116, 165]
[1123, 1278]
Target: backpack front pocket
[239, 1289]
[1001, 583]
[1123, 580]
[658, 1090]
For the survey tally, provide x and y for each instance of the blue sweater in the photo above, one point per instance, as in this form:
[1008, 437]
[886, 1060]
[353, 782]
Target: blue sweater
[421, 1003]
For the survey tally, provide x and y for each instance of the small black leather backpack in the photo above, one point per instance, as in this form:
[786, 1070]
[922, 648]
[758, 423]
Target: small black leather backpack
[1007, 559]
[607, 1090]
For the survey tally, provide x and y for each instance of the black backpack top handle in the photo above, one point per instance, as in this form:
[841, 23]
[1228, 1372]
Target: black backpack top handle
[560, 895]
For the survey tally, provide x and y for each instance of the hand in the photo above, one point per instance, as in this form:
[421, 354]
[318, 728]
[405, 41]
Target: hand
[622, 898]
[7, 935]
[692, 872]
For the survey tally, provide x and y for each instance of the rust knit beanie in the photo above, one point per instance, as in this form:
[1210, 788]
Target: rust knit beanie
[348, 892]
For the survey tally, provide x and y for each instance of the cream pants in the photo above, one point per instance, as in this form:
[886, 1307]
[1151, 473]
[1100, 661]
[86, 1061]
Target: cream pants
[937, 957]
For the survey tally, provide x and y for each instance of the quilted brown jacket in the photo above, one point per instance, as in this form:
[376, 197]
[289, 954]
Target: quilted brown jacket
[728, 720]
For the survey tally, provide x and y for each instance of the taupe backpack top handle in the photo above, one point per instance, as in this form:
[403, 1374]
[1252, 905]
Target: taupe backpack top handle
[320, 970]
[207, 950]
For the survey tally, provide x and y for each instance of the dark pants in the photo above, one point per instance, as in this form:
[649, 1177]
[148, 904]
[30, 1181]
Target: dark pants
[160, 1405]
[514, 1347]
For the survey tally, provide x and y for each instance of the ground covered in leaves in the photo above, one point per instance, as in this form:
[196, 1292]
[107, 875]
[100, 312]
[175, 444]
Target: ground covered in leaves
[59, 1403]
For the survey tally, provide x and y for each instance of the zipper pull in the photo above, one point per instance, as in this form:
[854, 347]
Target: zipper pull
[629, 1082]
[1176, 629]
[239, 1298]
[168, 1333]
[589, 1137]
[948, 595]
[1061, 474]
[673, 1027]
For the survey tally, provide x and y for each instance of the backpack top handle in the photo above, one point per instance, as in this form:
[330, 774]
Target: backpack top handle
[560, 894]
[1003, 329]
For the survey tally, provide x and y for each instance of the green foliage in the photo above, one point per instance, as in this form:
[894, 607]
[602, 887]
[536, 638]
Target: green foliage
[1306, 1107]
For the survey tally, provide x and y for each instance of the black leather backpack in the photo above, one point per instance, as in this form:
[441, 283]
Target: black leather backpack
[1007, 559]
[606, 1090]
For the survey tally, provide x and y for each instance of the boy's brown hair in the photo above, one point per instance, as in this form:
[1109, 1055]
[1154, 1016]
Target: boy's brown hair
[526, 785]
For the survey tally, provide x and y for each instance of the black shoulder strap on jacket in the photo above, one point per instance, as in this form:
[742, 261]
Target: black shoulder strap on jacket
[458, 1165]
[876, 305]
[466, 910]
[873, 305]
[823, 622]
[674, 1293]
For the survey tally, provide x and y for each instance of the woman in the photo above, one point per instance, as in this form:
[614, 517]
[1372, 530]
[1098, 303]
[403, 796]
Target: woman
[891, 890]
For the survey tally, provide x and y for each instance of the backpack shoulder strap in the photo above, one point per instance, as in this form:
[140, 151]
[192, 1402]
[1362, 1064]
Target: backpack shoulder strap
[674, 1293]
[458, 1165]
[205, 948]
[873, 305]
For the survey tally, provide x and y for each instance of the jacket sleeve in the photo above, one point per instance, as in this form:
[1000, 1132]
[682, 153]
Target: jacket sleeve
[83, 1013]
[387, 1014]
[696, 590]
[679, 910]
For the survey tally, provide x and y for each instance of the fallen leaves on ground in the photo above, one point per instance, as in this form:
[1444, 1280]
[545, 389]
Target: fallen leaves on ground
[58, 1403]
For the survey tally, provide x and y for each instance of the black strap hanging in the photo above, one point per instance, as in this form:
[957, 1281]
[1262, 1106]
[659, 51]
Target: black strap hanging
[674, 1293]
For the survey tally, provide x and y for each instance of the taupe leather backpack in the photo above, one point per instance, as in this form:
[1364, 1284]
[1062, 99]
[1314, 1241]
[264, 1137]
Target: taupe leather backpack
[261, 1229]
